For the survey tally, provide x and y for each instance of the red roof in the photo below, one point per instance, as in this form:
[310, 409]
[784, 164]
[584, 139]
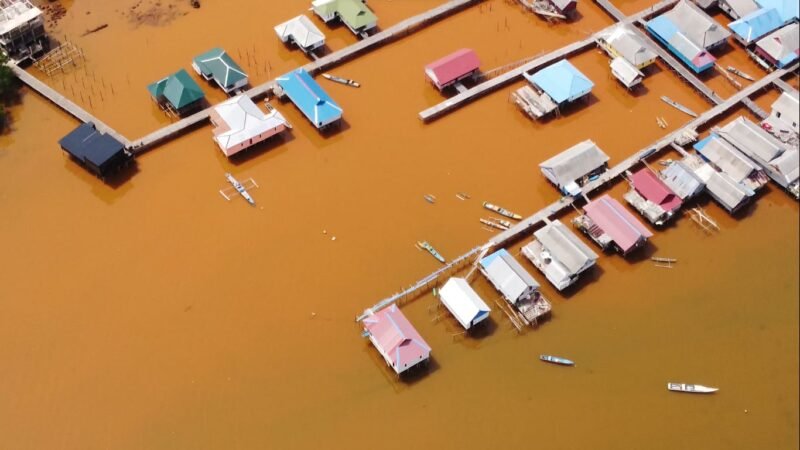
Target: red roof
[396, 339]
[650, 186]
[452, 67]
[623, 228]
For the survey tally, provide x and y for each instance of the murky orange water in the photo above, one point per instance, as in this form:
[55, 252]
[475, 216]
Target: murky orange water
[152, 314]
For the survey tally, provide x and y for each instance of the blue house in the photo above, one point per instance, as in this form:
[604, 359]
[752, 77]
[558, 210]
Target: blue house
[318, 107]
[562, 82]
[788, 10]
[695, 57]
[755, 25]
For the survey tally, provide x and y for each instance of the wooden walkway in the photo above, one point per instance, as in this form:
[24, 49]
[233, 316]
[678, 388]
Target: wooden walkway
[785, 87]
[64, 103]
[501, 80]
[525, 226]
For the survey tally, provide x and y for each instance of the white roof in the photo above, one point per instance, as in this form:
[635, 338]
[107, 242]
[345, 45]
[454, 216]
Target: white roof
[302, 30]
[14, 14]
[752, 140]
[727, 191]
[574, 163]
[741, 8]
[681, 180]
[697, 25]
[728, 159]
[787, 105]
[463, 302]
[629, 45]
[788, 165]
[565, 247]
[244, 121]
[781, 43]
[509, 277]
[625, 72]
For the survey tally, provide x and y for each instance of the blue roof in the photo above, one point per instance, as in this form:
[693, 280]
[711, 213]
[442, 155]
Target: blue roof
[756, 24]
[488, 260]
[308, 96]
[703, 142]
[788, 10]
[562, 82]
[663, 27]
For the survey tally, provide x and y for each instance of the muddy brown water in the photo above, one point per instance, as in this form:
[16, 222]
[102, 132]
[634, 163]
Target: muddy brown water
[149, 313]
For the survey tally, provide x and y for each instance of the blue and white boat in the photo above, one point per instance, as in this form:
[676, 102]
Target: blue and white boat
[556, 360]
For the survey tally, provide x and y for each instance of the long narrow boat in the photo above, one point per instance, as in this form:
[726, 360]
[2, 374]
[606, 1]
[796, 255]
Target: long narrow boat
[493, 224]
[678, 106]
[744, 75]
[691, 388]
[556, 360]
[240, 188]
[341, 80]
[426, 246]
[501, 211]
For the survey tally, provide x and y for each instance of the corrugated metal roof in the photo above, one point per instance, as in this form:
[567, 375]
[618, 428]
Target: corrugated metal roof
[741, 8]
[565, 247]
[756, 24]
[629, 45]
[787, 105]
[681, 180]
[463, 302]
[787, 9]
[623, 227]
[625, 72]
[505, 273]
[724, 189]
[728, 159]
[302, 31]
[453, 66]
[396, 338]
[751, 139]
[782, 45]
[218, 64]
[310, 98]
[574, 163]
[243, 121]
[651, 188]
[698, 26]
[179, 89]
[562, 82]
[788, 165]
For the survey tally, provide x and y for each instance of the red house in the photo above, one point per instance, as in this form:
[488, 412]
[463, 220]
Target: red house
[651, 197]
[452, 68]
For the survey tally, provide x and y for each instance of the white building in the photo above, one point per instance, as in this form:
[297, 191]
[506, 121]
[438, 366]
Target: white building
[302, 32]
[572, 168]
[625, 72]
[240, 124]
[559, 254]
[463, 302]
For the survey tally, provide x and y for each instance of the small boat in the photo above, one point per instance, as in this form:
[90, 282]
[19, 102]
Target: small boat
[462, 196]
[501, 211]
[736, 71]
[430, 198]
[493, 224]
[426, 246]
[341, 80]
[239, 187]
[556, 360]
[678, 106]
[691, 388]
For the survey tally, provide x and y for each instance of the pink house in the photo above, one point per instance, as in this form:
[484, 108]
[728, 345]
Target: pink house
[396, 340]
[613, 220]
[452, 68]
[240, 124]
[651, 197]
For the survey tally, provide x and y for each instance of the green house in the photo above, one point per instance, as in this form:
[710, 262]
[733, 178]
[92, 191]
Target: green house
[178, 91]
[216, 64]
[353, 13]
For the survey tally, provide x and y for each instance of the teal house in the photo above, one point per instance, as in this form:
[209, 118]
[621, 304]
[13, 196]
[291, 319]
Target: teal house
[177, 93]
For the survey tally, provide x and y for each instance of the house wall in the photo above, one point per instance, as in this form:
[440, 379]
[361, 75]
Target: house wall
[256, 139]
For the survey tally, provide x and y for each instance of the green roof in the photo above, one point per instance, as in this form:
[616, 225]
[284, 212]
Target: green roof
[179, 89]
[218, 64]
[356, 13]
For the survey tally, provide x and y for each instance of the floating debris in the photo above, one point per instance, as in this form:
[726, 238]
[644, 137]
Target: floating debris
[502, 211]
[430, 198]
[341, 80]
[744, 75]
[678, 106]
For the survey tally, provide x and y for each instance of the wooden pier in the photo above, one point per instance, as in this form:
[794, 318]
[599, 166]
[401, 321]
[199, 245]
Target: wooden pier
[541, 216]
[64, 103]
[509, 77]
[784, 86]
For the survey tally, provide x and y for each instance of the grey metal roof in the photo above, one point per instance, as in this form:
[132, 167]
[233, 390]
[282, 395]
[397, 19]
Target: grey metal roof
[697, 25]
[728, 192]
[740, 8]
[681, 180]
[781, 43]
[751, 140]
[787, 105]
[728, 159]
[574, 163]
[788, 165]
[565, 247]
[626, 72]
[629, 45]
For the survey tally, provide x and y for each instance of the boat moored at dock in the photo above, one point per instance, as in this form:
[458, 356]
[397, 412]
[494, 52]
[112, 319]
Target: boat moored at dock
[502, 211]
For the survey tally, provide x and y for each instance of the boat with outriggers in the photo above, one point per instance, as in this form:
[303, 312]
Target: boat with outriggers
[424, 245]
[557, 360]
[502, 211]
[691, 388]
[239, 187]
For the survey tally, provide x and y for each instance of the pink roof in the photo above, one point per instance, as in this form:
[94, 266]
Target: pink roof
[623, 228]
[396, 338]
[652, 188]
[703, 58]
[452, 66]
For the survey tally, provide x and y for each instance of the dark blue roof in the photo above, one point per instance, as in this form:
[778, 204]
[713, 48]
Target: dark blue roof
[87, 144]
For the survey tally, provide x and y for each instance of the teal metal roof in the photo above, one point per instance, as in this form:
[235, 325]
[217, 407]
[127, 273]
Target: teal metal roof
[179, 89]
[218, 64]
